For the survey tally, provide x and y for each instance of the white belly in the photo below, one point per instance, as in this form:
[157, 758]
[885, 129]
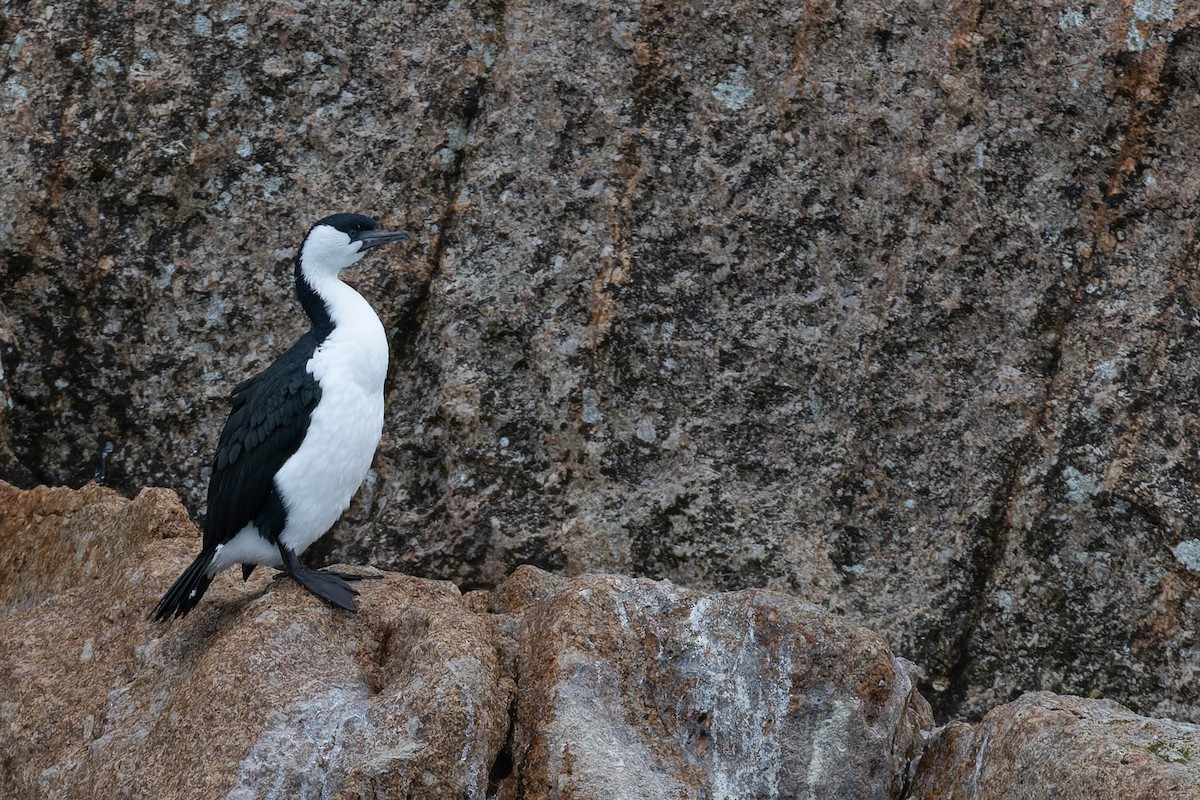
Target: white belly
[319, 480]
[247, 547]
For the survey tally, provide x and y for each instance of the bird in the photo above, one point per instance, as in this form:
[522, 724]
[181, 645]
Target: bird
[301, 434]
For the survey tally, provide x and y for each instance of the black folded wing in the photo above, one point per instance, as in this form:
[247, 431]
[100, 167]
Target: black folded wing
[269, 419]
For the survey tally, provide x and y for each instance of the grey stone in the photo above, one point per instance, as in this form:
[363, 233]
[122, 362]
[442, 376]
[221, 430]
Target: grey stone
[890, 307]
[588, 687]
[1060, 748]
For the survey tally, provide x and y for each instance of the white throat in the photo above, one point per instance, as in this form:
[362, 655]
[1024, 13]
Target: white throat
[328, 250]
[347, 308]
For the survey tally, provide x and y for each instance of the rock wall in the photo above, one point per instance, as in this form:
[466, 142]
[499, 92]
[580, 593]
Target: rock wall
[889, 307]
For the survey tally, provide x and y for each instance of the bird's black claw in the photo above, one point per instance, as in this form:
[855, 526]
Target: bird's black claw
[329, 586]
[346, 576]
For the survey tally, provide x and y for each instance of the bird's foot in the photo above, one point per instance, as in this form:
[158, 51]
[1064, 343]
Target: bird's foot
[346, 576]
[326, 585]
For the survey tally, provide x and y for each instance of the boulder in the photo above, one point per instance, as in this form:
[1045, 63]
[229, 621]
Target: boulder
[587, 687]
[259, 692]
[640, 689]
[1054, 747]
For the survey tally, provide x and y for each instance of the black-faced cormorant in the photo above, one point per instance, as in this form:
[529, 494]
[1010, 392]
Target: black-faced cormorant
[302, 433]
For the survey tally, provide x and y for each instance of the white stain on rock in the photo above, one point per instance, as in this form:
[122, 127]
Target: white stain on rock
[1187, 553]
[828, 749]
[590, 729]
[301, 756]
[1142, 18]
[733, 93]
[746, 707]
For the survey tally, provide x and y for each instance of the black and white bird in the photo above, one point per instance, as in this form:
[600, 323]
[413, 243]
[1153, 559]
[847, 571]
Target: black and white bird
[302, 433]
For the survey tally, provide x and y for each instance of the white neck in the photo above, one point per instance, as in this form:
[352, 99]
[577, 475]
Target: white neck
[345, 305]
[357, 348]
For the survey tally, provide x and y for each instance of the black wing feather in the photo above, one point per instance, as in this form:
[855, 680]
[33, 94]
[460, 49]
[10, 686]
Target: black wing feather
[266, 425]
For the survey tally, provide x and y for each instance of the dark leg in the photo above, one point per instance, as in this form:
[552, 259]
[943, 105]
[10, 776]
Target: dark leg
[323, 584]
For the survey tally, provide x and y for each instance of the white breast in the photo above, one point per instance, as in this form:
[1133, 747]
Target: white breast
[319, 480]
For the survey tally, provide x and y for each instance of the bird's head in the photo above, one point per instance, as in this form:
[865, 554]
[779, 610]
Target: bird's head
[336, 242]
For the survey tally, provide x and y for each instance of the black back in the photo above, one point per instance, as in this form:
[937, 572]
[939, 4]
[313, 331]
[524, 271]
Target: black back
[269, 419]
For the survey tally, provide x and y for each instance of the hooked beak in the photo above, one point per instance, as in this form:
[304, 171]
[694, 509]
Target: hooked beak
[371, 239]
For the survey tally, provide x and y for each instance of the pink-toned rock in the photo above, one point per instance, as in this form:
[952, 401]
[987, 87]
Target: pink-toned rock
[888, 305]
[58, 539]
[259, 692]
[639, 689]
[1045, 746]
[589, 687]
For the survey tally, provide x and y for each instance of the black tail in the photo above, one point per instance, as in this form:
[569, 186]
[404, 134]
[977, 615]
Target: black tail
[187, 591]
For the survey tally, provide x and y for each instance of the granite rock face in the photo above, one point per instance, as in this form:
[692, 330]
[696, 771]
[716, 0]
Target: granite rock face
[1061, 748]
[888, 306]
[589, 687]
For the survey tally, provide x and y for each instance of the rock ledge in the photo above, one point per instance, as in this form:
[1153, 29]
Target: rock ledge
[594, 686]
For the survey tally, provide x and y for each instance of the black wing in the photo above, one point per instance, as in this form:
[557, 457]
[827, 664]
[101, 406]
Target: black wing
[269, 419]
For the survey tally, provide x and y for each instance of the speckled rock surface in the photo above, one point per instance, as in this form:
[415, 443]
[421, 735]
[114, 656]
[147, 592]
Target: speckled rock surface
[891, 307]
[258, 693]
[1050, 747]
[590, 687]
[640, 689]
